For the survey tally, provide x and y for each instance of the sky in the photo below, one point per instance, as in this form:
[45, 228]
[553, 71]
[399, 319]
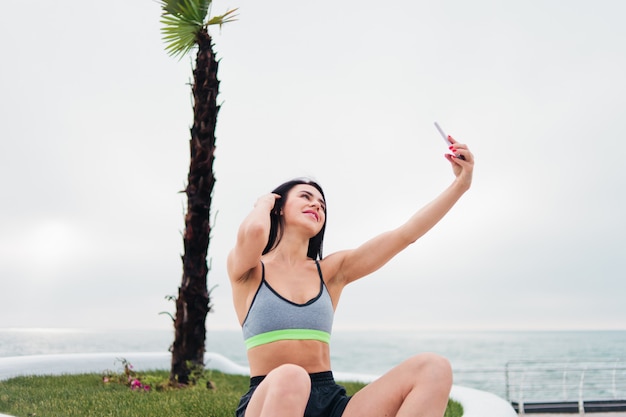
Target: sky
[94, 152]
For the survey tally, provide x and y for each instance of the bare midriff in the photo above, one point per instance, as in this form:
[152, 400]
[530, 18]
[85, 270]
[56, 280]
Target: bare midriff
[312, 355]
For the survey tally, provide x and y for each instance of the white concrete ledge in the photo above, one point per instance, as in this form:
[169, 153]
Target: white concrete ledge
[478, 403]
[80, 363]
[475, 403]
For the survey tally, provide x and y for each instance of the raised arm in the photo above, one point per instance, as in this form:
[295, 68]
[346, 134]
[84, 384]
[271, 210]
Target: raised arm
[251, 238]
[353, 264]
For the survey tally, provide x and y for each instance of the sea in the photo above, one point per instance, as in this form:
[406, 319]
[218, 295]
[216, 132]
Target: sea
[544, 365]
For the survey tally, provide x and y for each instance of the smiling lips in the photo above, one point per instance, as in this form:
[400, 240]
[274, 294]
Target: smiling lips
[317, 217]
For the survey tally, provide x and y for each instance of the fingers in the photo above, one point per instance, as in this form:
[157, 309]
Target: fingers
[457, 154]
[460, 150]
[456, 160]
[269, 199]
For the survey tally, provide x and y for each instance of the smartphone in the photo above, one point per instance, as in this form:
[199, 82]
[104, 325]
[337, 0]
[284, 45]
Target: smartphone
[445, 138]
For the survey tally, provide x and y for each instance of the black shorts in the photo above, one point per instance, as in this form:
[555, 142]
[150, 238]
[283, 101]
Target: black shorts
[327, 398]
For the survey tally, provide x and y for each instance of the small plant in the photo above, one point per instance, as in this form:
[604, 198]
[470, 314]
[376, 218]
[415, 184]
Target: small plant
[129, 377]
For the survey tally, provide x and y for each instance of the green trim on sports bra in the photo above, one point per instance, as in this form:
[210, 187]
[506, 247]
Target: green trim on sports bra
[287, 334]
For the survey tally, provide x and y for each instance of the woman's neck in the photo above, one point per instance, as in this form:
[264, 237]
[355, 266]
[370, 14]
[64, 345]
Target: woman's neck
[289, 251]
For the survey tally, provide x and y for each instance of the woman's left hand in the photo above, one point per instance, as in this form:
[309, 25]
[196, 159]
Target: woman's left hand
[462, 162]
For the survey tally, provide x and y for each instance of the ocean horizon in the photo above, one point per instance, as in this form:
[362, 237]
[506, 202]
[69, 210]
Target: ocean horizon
[487, 360]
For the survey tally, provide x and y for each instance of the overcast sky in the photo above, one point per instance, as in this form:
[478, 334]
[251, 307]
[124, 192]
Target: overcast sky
[94, 151]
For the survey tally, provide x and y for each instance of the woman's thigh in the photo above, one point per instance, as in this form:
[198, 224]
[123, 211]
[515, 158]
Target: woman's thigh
[421, 382]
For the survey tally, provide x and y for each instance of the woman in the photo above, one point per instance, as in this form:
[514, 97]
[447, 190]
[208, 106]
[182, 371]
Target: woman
[285, 295]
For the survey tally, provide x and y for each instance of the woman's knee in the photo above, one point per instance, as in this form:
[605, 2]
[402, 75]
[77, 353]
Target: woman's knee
[290, 381]
[433, 368]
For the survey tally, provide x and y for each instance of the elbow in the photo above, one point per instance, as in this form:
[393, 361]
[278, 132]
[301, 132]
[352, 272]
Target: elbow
[408, 237]
[409, 241]
[412, 236]
[255, 231]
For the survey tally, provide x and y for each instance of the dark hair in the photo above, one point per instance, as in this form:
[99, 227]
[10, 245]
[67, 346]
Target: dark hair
[277, 222]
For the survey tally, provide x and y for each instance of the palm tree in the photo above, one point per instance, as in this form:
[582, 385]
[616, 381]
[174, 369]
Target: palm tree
[185, 25]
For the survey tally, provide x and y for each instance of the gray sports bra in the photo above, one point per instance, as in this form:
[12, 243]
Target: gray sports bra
[272, 317]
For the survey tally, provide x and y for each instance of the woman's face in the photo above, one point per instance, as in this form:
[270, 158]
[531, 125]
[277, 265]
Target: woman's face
[305, 206]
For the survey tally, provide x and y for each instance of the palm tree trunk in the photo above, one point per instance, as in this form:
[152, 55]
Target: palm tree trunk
[193, 303]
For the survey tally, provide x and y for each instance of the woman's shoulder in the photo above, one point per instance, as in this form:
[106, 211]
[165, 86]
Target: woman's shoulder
[331, 266]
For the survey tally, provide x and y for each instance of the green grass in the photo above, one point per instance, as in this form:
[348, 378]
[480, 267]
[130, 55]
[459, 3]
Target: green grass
[88, 395]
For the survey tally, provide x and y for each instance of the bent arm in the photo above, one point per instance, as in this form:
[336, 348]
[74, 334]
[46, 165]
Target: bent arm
[251, 238]
[376, 252]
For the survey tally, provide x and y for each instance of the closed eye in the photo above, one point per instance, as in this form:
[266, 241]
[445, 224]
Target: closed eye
[309, 196]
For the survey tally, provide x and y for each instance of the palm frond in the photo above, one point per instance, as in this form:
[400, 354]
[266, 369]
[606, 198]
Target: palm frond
[182, 21]
[176, 7]
[179, 35]
[225, 18]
